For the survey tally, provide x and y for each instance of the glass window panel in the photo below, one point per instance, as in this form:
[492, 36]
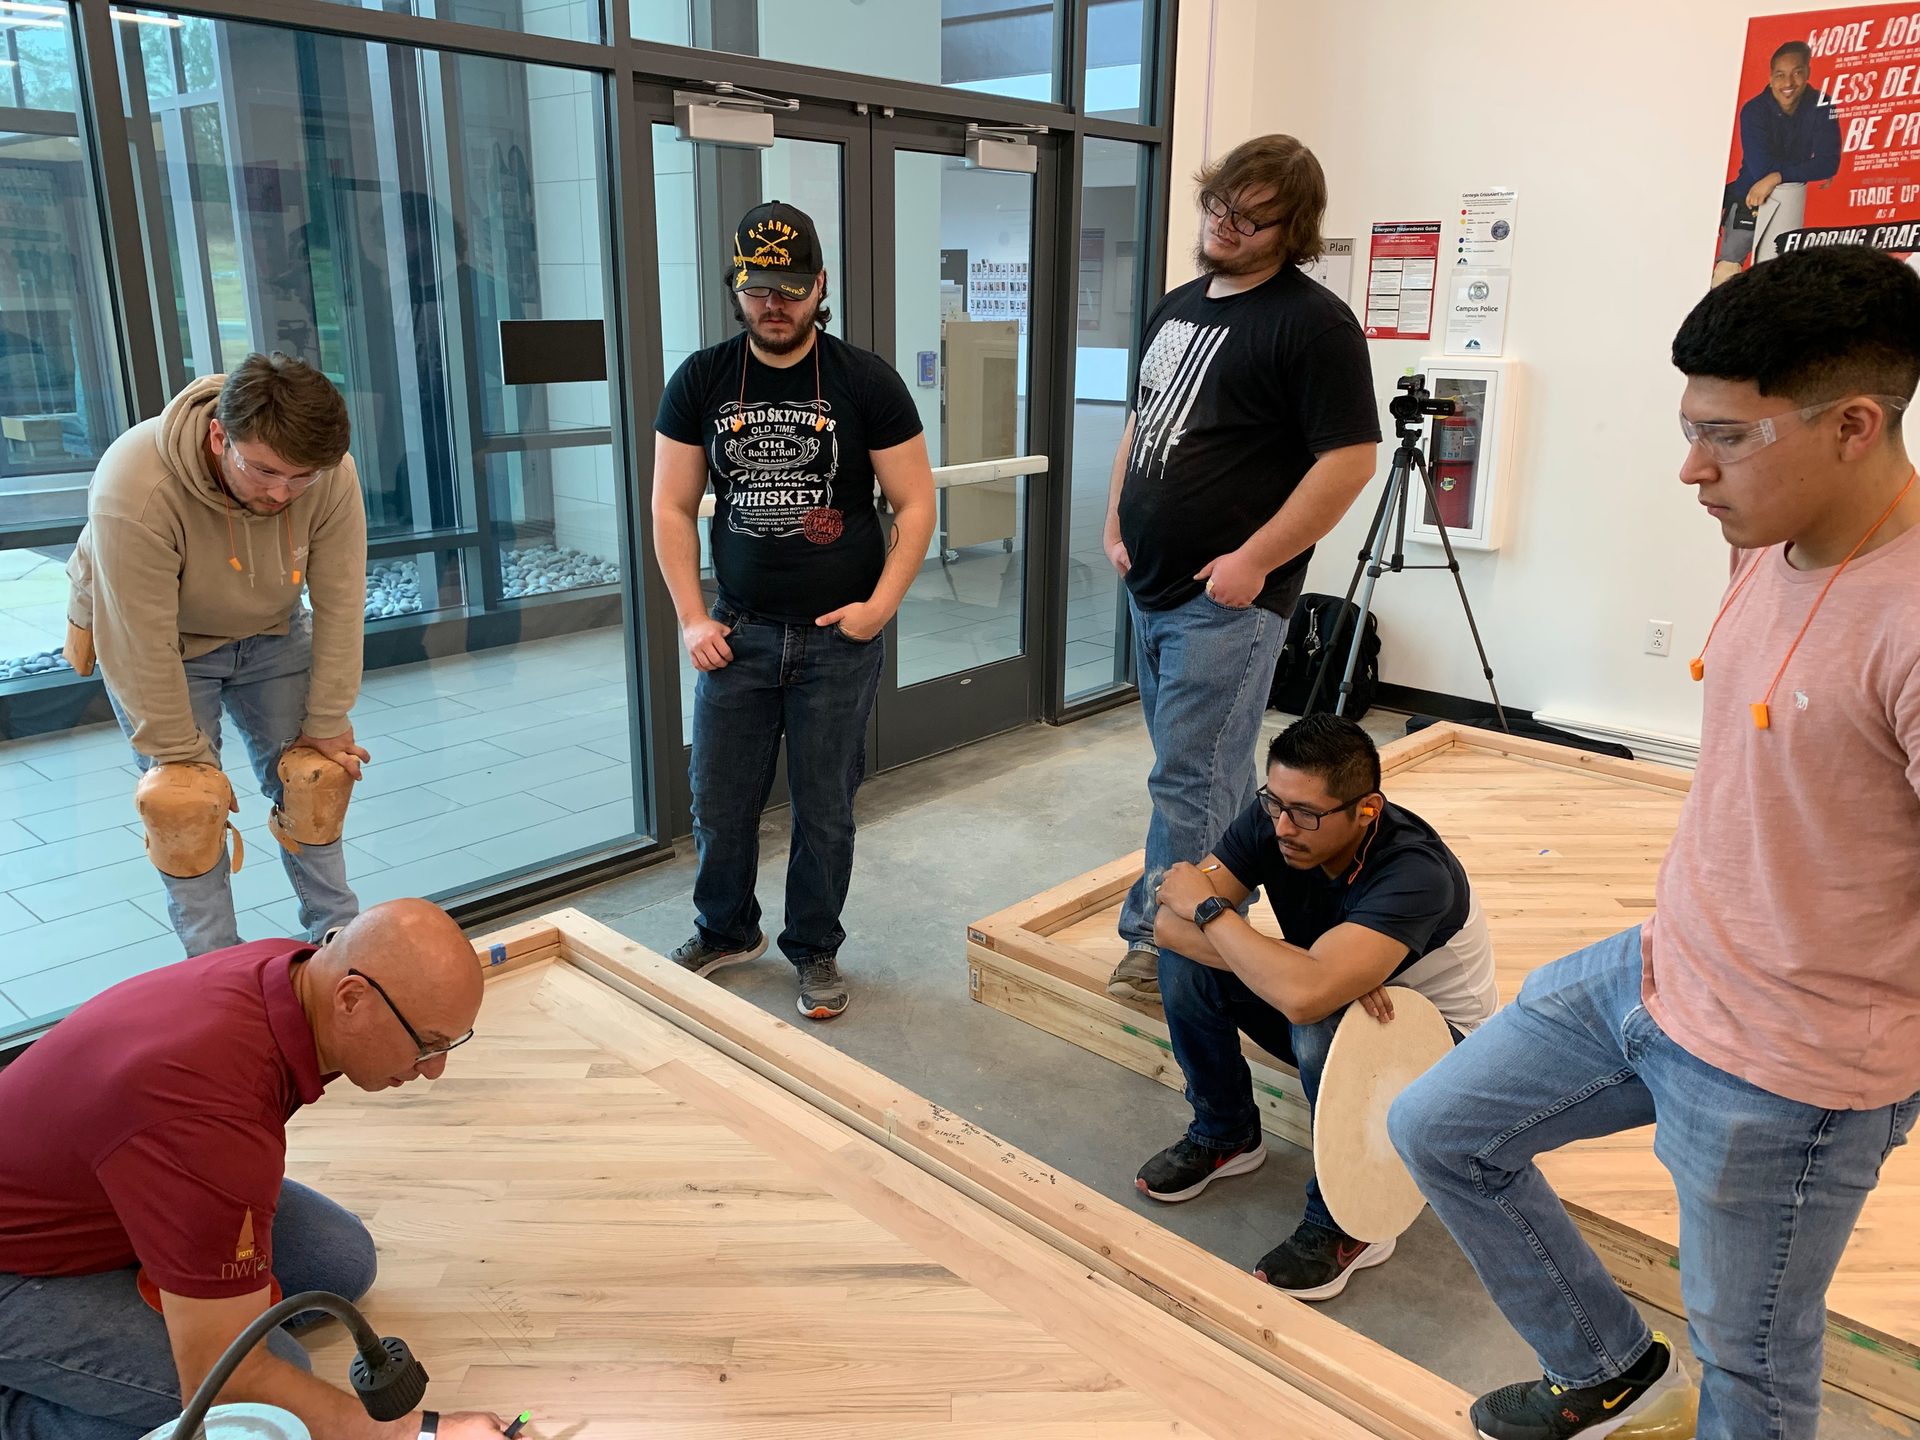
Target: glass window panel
[559, 19]
[60, 388]
[1107, 320]
[1119, 38]
[44, 47]
[375, 209]
[963, 247]
[997, 47]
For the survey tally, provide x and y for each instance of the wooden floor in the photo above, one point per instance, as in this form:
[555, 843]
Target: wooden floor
[1559, 858]
[672, 1247]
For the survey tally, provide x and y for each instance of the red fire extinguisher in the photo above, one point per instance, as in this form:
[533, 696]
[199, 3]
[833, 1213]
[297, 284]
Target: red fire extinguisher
[1456, 445]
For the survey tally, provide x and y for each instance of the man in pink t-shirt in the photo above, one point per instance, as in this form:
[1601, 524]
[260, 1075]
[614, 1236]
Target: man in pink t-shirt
[1766, 1020]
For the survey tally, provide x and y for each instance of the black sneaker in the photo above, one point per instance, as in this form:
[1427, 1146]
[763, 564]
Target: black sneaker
[823, 990]
[1184, 1169]
[698, 958]
[1314, 1262]
[1542, 1410]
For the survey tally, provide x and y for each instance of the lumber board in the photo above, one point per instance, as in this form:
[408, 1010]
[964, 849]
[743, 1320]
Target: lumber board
[1354, 1376]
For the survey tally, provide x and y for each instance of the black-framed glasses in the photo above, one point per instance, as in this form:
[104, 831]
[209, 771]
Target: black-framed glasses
[1244, 224]
[427, 1052]
[1303, 819]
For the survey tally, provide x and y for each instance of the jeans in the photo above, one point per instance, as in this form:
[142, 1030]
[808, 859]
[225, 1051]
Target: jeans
[816, 687]
[1207, 1010]
[1205, 672]
[262, 683]
[83, 1357]
[1768, 1188]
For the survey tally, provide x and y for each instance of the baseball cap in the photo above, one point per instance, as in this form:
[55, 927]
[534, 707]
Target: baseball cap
[776, 246]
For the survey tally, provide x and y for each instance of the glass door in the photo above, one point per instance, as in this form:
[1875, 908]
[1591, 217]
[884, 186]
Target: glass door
[955, 300]
[930, 264]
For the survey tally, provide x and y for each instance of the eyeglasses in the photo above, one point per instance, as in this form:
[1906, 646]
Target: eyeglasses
[427, 1052]
[767, 292]
[1303, 818]
[1220, 210]
[293, 484]
[1729, 440]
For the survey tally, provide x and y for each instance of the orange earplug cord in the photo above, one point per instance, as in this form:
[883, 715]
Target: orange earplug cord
[1761, 709]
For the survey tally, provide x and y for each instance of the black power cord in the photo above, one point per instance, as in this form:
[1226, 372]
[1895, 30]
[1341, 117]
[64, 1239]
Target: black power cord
[386, 1377]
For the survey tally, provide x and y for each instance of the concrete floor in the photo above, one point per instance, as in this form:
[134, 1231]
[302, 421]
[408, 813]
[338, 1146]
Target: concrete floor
[967, 833]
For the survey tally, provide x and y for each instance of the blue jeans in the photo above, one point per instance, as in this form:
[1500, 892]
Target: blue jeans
[83, 1357]
[1205, 672]
[1207, 1010]
[1769, 1189]
[816, 687]
[262, 683]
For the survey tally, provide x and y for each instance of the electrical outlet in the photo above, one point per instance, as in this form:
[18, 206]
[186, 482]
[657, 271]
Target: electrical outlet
[1659, 637]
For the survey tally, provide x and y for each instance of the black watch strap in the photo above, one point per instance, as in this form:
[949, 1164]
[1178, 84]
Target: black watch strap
[429, 1423]
[1210, 910]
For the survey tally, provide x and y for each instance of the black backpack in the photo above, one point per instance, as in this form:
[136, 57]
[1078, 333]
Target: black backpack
[1322, 626]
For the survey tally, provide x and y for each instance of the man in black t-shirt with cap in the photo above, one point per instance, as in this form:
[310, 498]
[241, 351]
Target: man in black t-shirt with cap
[793, 427]
[1254, 427]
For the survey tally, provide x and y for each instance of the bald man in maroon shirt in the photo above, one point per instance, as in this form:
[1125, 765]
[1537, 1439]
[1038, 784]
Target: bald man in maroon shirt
[145, 1214]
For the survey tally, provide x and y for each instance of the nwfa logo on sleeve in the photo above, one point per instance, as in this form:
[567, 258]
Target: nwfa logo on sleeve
[247, 1260]
[1171, 375]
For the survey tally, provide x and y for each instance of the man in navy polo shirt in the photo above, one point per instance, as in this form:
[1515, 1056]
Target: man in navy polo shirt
[1366, 894]
[145, 1217]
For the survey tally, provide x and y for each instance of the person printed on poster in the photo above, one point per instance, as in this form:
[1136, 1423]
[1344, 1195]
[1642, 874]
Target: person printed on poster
[1826, 142]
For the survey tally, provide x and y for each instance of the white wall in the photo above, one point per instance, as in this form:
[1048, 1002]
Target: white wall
[1618, 152]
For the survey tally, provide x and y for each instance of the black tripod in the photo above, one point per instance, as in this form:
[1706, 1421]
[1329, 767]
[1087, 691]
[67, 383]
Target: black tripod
[1407, 411]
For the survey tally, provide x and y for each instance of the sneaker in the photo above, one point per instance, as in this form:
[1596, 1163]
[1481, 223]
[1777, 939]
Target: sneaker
[1542, 1410]
[823, 989]
[1137, 977]
[700, 959]
[1184, 1169]
[1315, 1262]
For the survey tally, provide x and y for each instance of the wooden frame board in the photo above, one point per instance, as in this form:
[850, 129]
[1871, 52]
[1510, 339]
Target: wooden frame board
[1564, 846]
[1221, 1353]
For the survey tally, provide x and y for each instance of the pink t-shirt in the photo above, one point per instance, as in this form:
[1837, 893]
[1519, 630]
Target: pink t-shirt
[1787, 945]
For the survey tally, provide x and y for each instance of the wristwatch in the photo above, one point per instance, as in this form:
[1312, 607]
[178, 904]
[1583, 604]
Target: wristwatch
[1210, 910]
[429, 1424]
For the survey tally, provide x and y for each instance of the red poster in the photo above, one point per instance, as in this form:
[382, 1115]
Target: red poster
[1826, 136]
[1400, 276]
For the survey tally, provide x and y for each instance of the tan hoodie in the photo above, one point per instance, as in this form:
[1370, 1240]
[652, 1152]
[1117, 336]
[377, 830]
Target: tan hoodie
[153, 575]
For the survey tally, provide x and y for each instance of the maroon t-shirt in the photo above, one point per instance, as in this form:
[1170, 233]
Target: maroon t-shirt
[149, 1126]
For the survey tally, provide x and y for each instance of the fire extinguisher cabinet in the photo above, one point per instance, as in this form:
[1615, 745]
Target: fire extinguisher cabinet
[1469, 452]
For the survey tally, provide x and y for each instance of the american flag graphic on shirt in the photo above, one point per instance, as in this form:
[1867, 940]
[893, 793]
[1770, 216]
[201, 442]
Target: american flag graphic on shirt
[1170, 379]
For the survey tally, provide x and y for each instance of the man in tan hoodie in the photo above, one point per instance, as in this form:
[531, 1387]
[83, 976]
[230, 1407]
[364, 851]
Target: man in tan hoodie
[203, 526]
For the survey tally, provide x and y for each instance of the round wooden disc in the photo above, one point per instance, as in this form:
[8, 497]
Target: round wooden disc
[1364, 1181]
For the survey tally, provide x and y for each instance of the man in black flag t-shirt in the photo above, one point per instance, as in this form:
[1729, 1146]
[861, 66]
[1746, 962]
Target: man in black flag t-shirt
[793, 427]
[1253, 429]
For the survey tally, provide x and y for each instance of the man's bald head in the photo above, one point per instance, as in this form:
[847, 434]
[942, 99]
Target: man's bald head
[400, 965]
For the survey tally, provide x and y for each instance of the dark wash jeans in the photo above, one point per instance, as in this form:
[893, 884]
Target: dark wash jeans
[815, 687]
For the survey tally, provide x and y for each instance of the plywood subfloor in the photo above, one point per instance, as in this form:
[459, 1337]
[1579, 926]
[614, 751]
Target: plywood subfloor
[1560, 859]
[617, 1247]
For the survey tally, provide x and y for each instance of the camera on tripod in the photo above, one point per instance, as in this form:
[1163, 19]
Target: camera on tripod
[1417, 401]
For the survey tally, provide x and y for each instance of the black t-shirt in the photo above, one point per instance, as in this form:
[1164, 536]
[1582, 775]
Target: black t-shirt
[1237, 397]
[1406, 884]
[795, 530]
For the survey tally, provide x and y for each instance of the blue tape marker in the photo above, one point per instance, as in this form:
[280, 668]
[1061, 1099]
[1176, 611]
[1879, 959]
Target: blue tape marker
[497, 955]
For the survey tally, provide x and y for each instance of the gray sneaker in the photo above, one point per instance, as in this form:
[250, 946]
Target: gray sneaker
[823, 989]
[700, 959]
[1137, 976]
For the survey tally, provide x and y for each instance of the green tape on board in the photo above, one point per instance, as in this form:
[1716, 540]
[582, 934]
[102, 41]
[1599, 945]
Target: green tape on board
[1166, 1045]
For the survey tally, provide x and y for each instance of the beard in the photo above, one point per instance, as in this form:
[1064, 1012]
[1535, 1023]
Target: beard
[1243, 262]
[785, 339]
